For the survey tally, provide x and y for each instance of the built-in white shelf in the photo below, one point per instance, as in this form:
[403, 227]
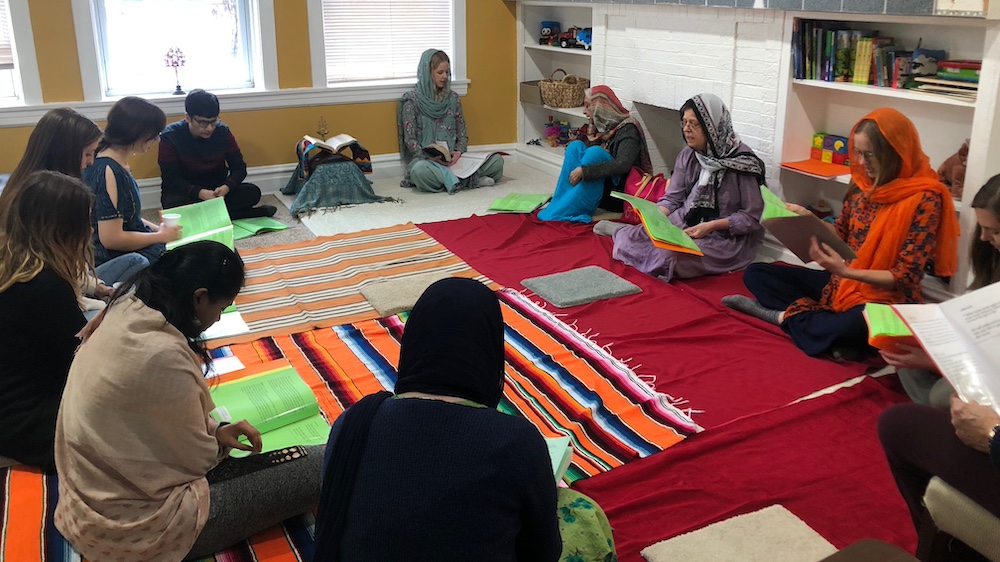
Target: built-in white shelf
[887, 92]
[569, 50]
[574, 111]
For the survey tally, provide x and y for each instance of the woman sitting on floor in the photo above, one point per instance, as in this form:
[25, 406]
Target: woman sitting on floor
[918, 374]
[714, 195]
[65, 141]
[896, 217]
[595, 167]
[139, 456]
[45, 234]
[134, 124]
[452, 477]
[432, 113]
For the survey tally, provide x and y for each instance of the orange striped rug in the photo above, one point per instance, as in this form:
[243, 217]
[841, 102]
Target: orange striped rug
[316, 284]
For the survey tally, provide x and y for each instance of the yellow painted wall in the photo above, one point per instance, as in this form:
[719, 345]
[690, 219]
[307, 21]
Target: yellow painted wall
[268, 136]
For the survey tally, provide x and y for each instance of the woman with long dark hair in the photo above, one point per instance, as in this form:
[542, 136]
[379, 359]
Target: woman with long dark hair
[138, 454]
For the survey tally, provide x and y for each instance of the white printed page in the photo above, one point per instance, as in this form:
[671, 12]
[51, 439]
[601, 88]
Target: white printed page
[961, 336]
[469, 163]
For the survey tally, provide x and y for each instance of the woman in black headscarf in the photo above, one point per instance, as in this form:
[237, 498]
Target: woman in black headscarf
[435, 472]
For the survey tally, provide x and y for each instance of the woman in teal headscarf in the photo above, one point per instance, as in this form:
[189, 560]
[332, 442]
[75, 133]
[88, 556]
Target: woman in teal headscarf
[432, 113]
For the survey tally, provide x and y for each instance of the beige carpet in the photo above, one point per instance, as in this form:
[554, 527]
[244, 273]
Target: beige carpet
[296, 231]
[772, 534]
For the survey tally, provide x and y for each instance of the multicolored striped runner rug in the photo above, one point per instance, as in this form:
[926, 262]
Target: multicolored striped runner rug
[558, 379]
[316, 283]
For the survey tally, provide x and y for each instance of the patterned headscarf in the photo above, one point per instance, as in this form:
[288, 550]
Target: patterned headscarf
[608, 116]
[432, 107]
[722, 151]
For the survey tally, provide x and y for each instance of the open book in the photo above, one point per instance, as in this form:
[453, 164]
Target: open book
[205, 220]
[333, 144]
[277, 402]
[663, 233]
[796, 231]
[520, 202]
[962, 337]
[885, 328]
[244, 228]
[560, 453]
[438, 149]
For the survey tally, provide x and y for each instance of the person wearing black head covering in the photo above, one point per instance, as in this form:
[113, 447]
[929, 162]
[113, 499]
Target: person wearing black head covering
[435, 472]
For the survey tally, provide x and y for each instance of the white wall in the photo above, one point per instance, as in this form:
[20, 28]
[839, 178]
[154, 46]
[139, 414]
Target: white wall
[663, 54]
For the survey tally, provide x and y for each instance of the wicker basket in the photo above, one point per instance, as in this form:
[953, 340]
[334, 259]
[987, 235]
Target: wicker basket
[567, 92]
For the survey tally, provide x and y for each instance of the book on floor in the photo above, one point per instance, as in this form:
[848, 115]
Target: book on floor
[244, 228]
[961, 336]
[885, 328]
[663, 233]
[520, 202]
[560, 453]
[276, 401]
[333, 144]
[205, 220]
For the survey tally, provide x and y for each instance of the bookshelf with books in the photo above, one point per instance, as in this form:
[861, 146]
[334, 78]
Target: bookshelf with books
[826, 99]
[537, 61]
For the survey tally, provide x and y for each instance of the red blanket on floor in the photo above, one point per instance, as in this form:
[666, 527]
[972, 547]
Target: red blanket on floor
[820, 459]
[724, 363]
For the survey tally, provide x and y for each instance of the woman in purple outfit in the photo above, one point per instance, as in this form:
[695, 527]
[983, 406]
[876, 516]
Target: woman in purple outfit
[714, 195]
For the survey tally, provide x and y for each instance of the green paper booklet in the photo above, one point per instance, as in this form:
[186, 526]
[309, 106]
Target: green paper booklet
[560, 453]
[520, 202]
[245, 228]
[774, 207]
[277, 402]
[663, 233]
[885, 327]
[206, 220]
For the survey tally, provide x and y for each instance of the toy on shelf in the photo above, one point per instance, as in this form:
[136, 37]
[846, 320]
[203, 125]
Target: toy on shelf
[557, 133]
[548, 32]
[831, 149]
[580, 37]
[952, 170]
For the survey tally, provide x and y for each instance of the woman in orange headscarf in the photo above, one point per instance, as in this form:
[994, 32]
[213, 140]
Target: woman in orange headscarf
[897, 217]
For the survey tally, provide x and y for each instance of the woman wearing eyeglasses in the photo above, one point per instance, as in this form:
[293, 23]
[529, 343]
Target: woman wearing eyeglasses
[714, 195]
[593, 168]
[897, 217]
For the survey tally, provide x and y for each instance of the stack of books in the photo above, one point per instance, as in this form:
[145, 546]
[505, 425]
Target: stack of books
[957, 78]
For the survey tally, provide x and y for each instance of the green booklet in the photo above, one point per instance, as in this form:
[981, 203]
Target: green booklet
[205, 220]
[560, 453]
[663, 233]
[245, 228]
[774, 207]
[277, 402]
[520, 202]
[885, 327]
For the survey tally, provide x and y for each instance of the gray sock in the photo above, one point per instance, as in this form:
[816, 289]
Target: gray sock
[607, 228]
[746, 305]
[484, 181]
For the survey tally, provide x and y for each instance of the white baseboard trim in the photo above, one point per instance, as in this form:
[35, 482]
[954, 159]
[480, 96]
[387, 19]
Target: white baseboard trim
[272, 178]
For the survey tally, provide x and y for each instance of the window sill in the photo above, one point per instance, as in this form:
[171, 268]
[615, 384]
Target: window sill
[243, 100]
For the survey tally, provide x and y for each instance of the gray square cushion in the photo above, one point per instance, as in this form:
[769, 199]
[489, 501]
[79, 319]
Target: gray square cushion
[580, 286]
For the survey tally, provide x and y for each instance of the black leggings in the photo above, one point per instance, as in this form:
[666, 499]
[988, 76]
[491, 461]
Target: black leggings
[238, 200]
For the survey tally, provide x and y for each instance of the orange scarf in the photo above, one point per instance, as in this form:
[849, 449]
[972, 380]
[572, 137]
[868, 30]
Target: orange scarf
[884, 241]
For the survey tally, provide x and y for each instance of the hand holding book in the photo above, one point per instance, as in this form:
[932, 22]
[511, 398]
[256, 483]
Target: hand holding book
[230, 435]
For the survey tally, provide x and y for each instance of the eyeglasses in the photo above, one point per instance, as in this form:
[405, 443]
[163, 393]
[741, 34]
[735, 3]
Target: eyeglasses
[206, 123]
[693, 125]
[868, 155]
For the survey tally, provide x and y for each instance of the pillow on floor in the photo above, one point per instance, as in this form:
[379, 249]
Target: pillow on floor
[580, 286]
[392, 296]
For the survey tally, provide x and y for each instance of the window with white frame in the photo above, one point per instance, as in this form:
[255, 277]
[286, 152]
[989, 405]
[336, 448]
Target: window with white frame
[214, 39]
[9, 86]
[383, 39]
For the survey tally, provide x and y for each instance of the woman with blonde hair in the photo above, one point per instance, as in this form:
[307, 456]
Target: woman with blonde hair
[44, 231]
[897, 217]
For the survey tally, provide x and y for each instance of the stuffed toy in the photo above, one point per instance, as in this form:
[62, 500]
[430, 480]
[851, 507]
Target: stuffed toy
[952, 171]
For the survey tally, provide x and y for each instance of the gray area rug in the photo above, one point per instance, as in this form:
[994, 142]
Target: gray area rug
[296, 231]
[580, 286]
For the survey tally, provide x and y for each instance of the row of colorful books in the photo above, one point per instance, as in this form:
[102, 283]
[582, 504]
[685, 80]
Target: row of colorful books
[829, 51]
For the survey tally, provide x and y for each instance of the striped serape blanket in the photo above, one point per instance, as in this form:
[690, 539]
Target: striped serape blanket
[316, 284]
[558, 379]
